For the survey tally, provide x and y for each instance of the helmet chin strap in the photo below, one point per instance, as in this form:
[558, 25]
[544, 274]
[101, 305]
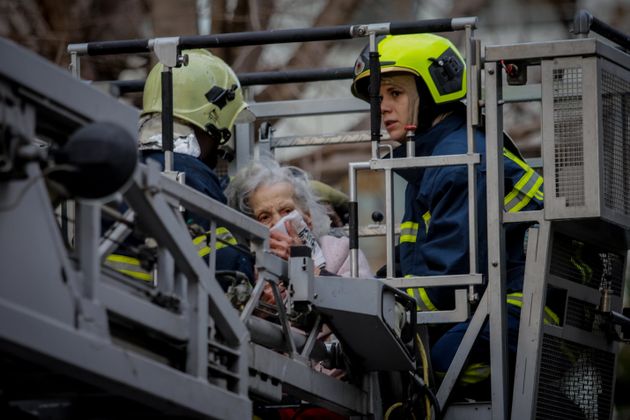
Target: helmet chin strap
[222, 135]
[414, 107]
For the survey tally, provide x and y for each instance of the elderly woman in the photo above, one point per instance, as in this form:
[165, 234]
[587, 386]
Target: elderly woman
[267, 192]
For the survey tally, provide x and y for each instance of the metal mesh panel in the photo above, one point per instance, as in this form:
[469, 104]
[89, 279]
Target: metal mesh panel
[568, 138]
[575, 381]
[585, 263]
[616, 144]
[580, 314]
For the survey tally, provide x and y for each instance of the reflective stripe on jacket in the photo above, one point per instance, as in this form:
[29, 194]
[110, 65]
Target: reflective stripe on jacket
[434, 229]
[132, 266]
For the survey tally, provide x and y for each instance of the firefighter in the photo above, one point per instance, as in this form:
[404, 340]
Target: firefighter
[422, 83]
[207, 100]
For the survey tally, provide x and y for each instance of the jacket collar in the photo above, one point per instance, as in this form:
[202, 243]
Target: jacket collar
[426, 142]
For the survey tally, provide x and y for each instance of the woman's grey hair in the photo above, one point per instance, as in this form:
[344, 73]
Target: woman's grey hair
[265, 172]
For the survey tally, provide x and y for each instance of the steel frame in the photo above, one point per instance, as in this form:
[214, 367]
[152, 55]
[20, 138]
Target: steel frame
[88, 292]
[584, 53]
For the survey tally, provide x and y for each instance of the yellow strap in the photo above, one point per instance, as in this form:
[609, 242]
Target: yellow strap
[427, 219]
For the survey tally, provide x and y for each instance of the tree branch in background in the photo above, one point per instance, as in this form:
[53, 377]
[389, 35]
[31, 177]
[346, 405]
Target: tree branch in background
[311, 54]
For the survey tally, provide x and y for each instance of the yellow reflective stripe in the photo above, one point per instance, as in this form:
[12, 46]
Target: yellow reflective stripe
[123, 259]
[526, 188]
[414, 294]
[140, 275]
[549, 314]
[550, 317]
[517, 190]
[423, 303]
[424, 297]
[427, 219]
[407, 238]
[409, 228]
[225, 236]
[585, 270]
[516, 159]
[202, 252]
[408, 225]
[474, 373]
[129, 266]
[528, 194]
[471, 374]
[408, 232]
[421, 297]
[224, 239]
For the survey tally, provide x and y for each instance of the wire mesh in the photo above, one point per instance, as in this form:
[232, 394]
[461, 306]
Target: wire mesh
[568, 135]
[616, 142]
[581, 315]
[585, 263]
[575, 381]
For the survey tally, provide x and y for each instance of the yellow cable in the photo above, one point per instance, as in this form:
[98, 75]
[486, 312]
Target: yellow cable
[425, 373]
[391, 408]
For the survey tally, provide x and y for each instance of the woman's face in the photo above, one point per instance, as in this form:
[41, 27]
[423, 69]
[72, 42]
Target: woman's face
[270, 203]
[399, 104]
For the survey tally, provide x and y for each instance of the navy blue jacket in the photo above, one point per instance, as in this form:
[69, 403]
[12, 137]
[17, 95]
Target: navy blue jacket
[434, 231]
[203, 179]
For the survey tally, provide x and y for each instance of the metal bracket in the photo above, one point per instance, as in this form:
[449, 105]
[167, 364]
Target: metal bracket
[167, 51]
[359, 31]
[459, 314]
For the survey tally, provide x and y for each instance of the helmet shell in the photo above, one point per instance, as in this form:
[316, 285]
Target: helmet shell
[430, 57]
[206, 93]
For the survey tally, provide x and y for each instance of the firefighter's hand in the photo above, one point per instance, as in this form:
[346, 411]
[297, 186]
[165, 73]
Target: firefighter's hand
[281, 243]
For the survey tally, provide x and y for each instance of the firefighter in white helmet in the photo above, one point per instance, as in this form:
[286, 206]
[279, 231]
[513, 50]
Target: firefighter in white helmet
[207, 101]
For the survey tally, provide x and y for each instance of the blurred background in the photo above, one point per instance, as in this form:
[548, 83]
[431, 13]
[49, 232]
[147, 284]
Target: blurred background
[48, 26]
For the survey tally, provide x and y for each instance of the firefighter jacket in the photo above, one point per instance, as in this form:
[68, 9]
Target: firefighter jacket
[200, 177]
[434, 231]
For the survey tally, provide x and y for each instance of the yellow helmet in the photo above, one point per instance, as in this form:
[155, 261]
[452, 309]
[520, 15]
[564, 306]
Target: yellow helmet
[206, 93]
[430, 57]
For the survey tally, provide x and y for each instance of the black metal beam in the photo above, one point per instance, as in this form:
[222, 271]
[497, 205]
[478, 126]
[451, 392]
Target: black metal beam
[584, 22]
[121, 87]
[279, 36]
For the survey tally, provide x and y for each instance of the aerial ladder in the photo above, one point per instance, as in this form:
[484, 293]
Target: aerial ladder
[80, 340]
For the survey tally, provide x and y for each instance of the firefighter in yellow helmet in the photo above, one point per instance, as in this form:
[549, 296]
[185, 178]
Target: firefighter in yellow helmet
[207, 101]
[423, 82]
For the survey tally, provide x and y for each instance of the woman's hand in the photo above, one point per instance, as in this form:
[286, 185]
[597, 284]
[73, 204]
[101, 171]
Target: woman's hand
[281, 243]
